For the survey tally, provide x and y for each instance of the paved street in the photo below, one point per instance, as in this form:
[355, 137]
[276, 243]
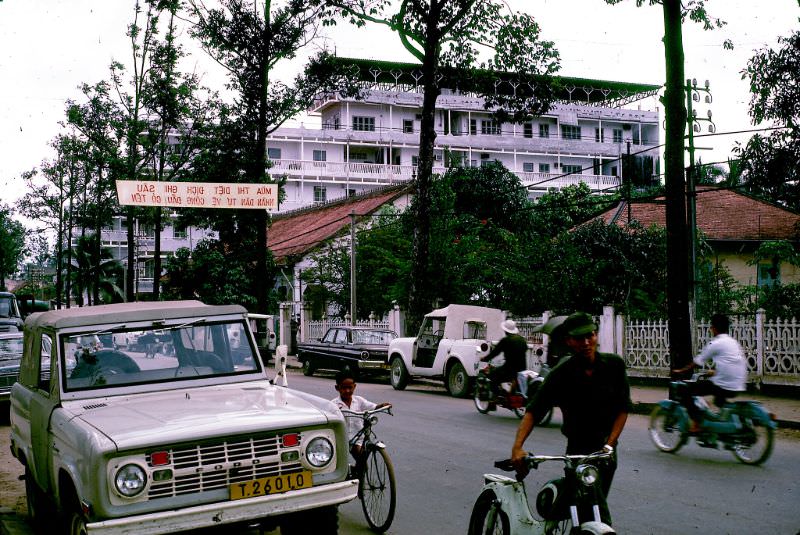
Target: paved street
[441, 447]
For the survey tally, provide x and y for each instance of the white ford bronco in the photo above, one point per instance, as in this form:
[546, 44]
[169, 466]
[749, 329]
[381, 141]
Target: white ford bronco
[193, 435]
[450, 341]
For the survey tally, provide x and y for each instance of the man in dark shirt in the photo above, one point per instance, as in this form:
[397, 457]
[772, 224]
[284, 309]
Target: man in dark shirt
[514, 349]
[592, 391]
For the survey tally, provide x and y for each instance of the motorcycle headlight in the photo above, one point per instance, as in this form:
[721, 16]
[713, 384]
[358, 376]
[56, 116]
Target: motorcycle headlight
[130, 480]
[587, 474]
[319, 452]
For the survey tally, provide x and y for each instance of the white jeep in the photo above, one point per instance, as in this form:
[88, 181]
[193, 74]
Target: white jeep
[450, 341]
[122, 440]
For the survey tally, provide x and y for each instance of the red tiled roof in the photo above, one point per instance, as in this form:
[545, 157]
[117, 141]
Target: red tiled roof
[298, 232]
[722, 214]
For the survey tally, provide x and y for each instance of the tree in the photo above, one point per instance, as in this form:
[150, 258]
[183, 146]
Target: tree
[453, 33]
[12, 244]
[96, 273]
[559, 210]
[250, 39]
[770, 162]
[209, 274]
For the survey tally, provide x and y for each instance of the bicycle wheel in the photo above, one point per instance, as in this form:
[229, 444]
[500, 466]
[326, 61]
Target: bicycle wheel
[487, 517]
[378, 490]
[664, 429]
[757, 445]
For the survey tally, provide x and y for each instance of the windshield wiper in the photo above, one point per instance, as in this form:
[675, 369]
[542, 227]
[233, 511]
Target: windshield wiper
[193, 322]
[109, 329]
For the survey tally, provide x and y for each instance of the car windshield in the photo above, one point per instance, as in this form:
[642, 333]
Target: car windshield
[373, 337]
[121, 357]
[8, 307]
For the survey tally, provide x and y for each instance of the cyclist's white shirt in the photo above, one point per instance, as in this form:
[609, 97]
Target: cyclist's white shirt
[729, 362]
[357, 404]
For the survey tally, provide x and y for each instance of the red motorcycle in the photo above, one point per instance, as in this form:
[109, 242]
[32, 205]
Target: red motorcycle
[511, 396]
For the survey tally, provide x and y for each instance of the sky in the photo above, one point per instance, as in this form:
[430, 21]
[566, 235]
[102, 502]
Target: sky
[49, 47]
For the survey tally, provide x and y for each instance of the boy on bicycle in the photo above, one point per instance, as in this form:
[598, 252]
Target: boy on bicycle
[346, 386]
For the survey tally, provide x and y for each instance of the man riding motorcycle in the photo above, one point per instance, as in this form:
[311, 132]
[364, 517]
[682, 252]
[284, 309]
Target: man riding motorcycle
[514, 348]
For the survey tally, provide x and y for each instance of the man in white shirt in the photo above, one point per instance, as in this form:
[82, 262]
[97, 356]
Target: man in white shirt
[729, 376]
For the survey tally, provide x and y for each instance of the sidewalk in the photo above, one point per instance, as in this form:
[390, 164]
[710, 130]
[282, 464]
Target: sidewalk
[786, 409]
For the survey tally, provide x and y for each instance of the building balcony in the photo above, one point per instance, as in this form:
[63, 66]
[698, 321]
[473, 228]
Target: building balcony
[374, 174]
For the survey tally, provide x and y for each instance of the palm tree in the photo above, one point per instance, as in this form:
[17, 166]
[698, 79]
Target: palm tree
[94, 272]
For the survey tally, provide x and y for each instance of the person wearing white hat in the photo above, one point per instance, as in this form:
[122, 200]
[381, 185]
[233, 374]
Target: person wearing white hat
[514, 348]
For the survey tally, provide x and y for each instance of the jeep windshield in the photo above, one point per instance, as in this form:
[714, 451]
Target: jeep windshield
[122, 356]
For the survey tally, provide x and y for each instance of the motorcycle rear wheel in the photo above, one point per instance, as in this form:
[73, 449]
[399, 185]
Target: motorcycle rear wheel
[665, 431]
[761, 448]
[487, 517]
[481, 404]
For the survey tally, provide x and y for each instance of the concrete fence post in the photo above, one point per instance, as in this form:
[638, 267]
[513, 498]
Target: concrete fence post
[761, 315]
[619, 335]
[285, 324]
[305, 317]
[606, 331]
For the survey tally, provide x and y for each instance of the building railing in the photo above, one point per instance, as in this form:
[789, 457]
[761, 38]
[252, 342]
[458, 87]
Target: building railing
[375, 173]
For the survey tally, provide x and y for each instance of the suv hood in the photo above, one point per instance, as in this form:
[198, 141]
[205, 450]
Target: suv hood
[194, 414]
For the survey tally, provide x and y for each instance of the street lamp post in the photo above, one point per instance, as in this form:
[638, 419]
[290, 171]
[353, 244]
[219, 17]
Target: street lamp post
[693, 125]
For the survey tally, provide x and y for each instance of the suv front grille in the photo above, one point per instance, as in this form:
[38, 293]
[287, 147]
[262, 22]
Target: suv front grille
[212, 466]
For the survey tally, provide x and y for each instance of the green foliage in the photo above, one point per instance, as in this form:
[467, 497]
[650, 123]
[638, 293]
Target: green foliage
[769, 162]
[211, 273]
[12, 244]
[780, 301]
[95, 274]
[598, 264]
[559, 210]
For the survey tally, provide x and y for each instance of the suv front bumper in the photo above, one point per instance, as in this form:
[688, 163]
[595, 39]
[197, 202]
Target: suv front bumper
[232, 512]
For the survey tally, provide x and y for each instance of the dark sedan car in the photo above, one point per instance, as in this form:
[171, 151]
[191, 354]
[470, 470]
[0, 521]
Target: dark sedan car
[363, 349]
[11, 345]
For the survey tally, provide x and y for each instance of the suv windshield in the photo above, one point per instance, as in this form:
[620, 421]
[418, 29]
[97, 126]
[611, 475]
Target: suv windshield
[8, 307]
[121, 357]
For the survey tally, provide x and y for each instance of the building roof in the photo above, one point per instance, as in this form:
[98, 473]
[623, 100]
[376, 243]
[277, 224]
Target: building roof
[301, 231]
[722, 215]
[567, 89]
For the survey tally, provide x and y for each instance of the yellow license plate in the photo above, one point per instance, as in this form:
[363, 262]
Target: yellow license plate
[271, 485]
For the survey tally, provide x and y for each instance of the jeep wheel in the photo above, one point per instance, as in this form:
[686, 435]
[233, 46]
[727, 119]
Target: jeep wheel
[458, 381]
[399, 374]
[76, 522]
[308, 367]
[322, 521]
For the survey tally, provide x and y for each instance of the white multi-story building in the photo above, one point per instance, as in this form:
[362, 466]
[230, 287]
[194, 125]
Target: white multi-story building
[359, 144]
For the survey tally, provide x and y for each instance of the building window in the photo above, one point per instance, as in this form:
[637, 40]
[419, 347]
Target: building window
[273, 153]
[570, 131]
[473, 127]
[179, 232]
[415, 161]
[596, 166]
[527, 130]
[599, 136]
[544, 167]
[527, 167]
[366, 124]
[320, 194]
[768, 275]
[490, 127]
[571, 169]
[614, 170]
[544, 130]
[320, 156]
[356, 156]
[618, 135]
[408, 126]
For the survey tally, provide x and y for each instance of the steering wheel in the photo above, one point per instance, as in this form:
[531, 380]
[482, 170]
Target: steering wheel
[439, 334]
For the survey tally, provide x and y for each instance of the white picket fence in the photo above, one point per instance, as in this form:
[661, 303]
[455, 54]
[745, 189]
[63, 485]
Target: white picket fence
[772, 347]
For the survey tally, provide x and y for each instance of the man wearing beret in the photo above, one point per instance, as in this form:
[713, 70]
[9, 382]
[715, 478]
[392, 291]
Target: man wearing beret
[592, 390]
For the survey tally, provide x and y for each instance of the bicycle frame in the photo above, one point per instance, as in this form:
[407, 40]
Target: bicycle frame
[511, 498]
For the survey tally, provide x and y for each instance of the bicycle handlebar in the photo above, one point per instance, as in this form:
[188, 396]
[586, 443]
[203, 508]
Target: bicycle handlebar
[364, 414]
[533, 461]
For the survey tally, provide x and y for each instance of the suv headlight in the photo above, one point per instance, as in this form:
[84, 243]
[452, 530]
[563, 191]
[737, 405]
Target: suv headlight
[130, 480]
[319, 452]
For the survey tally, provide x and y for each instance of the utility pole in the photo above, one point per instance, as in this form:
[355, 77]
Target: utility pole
[677, 246]
[352, 267]
[692, 120]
